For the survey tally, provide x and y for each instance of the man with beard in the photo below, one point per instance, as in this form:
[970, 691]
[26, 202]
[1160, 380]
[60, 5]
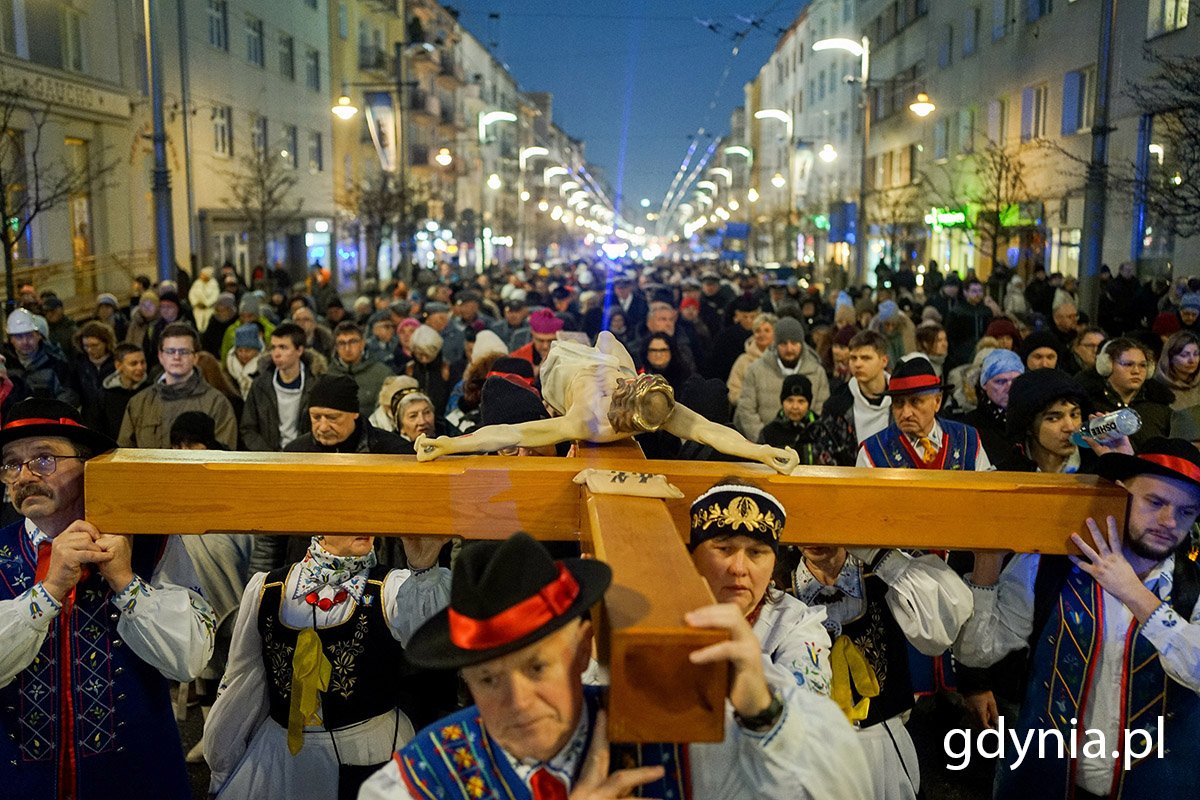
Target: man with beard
[95, 627]
[759, 403]
[1115, 640]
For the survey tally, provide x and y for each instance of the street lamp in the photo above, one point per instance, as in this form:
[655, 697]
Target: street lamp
[344, 109]
[862, 51]
[487, 118]
[443, 157]
[922, 106]
[494, 183]
[828, 154]
[523, 156]
[778, 180]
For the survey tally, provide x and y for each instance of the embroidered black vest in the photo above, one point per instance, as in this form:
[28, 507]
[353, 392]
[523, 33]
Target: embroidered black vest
[877, 634]
[367, 661]
[87, 703]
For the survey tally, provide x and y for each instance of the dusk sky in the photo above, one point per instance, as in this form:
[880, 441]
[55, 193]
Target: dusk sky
[635, 79]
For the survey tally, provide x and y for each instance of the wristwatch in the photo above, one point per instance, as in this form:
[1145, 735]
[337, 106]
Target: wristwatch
[765, 719]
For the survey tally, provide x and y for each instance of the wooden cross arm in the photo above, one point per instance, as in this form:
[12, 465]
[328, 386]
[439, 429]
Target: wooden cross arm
[487, 497]
[192, 492]
[1024, 512]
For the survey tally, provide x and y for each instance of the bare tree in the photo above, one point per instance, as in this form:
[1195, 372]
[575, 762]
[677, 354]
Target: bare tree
[1171, 186]
[989, 180]
[31, 183]
[261, 192]
[893, 210]
[381, 207]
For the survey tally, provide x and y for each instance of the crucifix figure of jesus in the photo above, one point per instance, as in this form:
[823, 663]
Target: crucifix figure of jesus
[597, 396]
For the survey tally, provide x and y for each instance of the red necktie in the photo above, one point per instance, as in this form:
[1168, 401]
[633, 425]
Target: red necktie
[547, 787]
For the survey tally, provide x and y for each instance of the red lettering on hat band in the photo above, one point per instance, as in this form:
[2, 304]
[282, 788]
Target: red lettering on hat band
[914, 382]
[1180, 465]
[17, 423]
[518, 621]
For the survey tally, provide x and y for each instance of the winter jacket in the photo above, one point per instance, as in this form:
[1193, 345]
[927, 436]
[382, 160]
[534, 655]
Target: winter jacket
[737, 375]
[152, 411]
[113, 399]
[1152, 403]
[89, 381]
[260, 417]
[369, 375]
[46, 374]
[760, 402]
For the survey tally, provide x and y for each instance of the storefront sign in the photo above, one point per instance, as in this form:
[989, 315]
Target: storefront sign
[947, 218]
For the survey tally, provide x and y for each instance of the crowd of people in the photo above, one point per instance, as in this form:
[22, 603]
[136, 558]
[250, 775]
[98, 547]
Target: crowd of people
[337, 657]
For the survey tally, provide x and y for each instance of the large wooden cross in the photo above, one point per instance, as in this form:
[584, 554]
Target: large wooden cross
[656, 693]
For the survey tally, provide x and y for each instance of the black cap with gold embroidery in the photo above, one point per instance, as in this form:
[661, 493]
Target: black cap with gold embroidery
[729, 509]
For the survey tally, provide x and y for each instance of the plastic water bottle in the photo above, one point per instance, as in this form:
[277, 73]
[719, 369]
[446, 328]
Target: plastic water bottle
[1108, 428]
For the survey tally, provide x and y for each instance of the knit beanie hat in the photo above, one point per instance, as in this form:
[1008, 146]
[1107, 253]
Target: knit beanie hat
[195, 427]
[794, 385]
[544, 321]
[339, 392]
[248, 336]
[788, 330]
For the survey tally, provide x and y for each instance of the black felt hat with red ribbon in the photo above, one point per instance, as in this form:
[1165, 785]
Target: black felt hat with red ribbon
[914, 375]
[505, 596]
[42, 417]
[1166, 458]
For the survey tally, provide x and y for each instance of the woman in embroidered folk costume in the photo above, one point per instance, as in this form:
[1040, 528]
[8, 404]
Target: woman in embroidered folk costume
[596, 395]
[734, 545]
[877, 602]
[317, 687]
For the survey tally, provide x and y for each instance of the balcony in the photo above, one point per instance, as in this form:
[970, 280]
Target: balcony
[372, 59]
[449, 119]
[424, 106]
[451, 74]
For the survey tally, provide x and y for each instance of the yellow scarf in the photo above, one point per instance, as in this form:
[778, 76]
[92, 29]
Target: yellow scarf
[850, 668]
[311, 671]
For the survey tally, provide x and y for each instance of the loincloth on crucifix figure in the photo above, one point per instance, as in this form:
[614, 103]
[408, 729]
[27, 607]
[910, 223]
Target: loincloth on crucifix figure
[596, 395]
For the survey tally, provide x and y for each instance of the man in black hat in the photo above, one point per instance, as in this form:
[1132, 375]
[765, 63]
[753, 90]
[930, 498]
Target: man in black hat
[1115, 640]
[917, 437]
[517, 630]
[95, 625]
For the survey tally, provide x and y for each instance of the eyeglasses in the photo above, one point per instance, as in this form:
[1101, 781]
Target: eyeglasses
[348, 343]
[178, 352]
[40, 466]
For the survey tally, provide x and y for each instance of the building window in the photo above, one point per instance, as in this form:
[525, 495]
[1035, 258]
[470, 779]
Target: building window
[1004, 17]
[966, 130]
[72, 40]
[291, 146]
[343, 21]
[222, 119]
[970, 32]
[821, 86]
[1166, 16]
[1033, 112]
[218, 24]
[998, 122]
[1079, 89]
[54, 36]
[946, 46]
[287, 57]
[941, 139]
[1036, 9]
[258, 136]
[254, 41]
[312, 69]
[316, 152]
[311, 3]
